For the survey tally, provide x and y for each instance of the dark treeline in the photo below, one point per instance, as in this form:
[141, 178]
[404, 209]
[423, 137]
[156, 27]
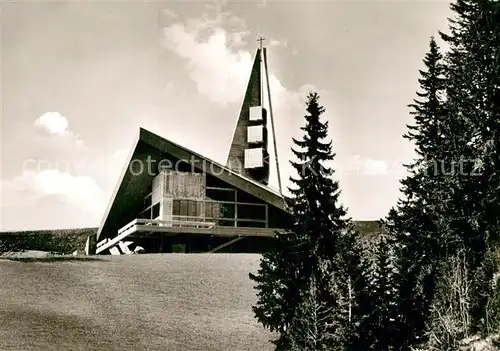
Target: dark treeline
[433, 278]
[63, 241]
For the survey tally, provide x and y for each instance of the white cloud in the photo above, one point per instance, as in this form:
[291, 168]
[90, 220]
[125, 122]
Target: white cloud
[219, 73]
[61, 184]
[80, 192]
[374, 167]
[169, 87]
[238, 39]
[214, 62]
[365, 166]
[52, 122]
[56, 124]
[275, 42]
[170, 14]
[237, 22]
[220, 67]
[116, 163]
[262, 3]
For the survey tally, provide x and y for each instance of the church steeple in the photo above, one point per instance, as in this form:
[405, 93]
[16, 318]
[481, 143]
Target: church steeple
[249, 154]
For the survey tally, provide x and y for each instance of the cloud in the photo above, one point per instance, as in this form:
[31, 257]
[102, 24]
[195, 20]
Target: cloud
[80, 192]
[116, 163]
[169, 87]
[238, 39]
[219, 73]
[275, 42]
[365, 166]
[55, 124]
[170, 14]
[219, 62]
[375, 167]
[60, 184]
[261, 3]
[216, 62]
[52, 122]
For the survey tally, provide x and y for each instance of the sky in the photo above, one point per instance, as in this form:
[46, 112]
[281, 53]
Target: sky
[79, 79]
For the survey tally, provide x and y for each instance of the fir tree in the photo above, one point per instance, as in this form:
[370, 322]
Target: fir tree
[473, 92]
[454, 208]
[336, 259]
[279, 284]
[414, 223]
[384, 308]
[311, 319]
[308, 287]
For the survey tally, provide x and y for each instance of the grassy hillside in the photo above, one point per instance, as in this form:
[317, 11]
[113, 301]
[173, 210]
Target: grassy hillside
[140, 302]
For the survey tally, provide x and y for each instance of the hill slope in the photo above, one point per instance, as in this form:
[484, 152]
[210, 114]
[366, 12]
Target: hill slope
[141, 302]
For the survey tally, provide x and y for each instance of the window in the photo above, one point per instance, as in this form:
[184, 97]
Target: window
[176, 208]
[183, 208]
[255, 134]
[248, 211]
[225, 223]
[227, 210]
[145, 214]
[251, 224]
[219, 210]
[191, 208]
[256, 113]
[246, 197]
[147, 200]
[211, 210]
[254, 158]
[155, 211]
[220, 194]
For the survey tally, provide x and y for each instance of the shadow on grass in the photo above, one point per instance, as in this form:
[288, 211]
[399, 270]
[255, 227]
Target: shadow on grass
[51, 259]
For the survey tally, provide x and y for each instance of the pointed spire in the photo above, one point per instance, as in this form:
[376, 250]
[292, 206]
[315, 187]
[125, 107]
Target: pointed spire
[260, 40]
[240, 144]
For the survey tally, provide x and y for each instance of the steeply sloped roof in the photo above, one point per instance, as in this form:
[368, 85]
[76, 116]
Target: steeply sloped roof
[132, 185]
[253, 97]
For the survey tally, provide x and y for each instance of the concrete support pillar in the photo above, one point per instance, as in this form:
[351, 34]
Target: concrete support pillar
[162, 244]
[91, 245]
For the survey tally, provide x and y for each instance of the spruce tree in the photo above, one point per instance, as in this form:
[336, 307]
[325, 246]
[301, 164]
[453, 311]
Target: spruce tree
[383, 310]
[414, 224]
[308, 286]
[336, 259]
[473, 92]
[277, 283]
[453, 209]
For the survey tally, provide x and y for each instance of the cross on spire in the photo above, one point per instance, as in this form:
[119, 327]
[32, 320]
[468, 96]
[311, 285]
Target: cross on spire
[260, 40]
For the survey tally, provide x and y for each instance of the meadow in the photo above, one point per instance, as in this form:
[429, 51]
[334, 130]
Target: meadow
[140, 302]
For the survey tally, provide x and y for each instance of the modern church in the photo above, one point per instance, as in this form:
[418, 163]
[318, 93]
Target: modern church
[171, 199]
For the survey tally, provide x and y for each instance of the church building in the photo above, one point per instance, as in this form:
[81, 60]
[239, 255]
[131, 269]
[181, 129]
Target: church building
[171, 199]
